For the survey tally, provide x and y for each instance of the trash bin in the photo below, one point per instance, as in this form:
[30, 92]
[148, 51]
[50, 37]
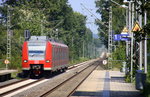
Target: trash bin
[140, 78]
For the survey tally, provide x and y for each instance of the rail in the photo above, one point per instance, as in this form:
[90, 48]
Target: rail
[48, 93]
[18, 88]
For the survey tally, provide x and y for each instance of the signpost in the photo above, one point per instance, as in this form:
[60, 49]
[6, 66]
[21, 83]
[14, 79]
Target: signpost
[6, 63]
[136, 27]
[125, 30]
[124, 36]
[105, 62]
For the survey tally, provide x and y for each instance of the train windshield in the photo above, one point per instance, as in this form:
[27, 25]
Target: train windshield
[36, 52]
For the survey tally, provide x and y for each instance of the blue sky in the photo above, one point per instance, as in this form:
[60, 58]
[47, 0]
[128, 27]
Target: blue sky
[90, 5]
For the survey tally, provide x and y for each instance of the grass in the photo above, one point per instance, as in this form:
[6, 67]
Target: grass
[81, 59]
[14, 74]
[2, 65]
[147, 86]
[114, 65]
[18, 68]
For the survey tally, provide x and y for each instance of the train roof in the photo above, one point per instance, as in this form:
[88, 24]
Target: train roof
[41, 39]
[58, 44]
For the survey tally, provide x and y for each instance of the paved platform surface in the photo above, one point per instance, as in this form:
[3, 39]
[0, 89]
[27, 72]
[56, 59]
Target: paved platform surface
[2, 72]
[103, 83]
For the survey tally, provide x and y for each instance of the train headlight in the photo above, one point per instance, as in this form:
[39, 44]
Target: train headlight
[47, 61]
[25, 61]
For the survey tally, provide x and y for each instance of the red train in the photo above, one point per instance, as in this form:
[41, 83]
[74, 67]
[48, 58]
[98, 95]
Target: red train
[42, 56]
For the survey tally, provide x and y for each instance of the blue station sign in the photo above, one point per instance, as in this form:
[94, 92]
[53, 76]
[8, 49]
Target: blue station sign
[121, 37]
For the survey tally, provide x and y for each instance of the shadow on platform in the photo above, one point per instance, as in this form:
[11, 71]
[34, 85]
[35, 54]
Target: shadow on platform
[118, 79]
[111, 93]
[86, 93]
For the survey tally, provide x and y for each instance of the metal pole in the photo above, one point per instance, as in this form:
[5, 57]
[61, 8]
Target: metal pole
[127, 18]
[141, 49]
[41, 27]
[132, 15]
[9, 32]
[110, 32]
[127, 47]
[72, 48]
[130, 28]
[132, 39]
[110, 35]
[145, 44]
[83, 49]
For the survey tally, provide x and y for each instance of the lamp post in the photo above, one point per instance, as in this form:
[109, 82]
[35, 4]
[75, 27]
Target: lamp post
[141, 44]
[127, 26]
[145, 43]
[130, 25]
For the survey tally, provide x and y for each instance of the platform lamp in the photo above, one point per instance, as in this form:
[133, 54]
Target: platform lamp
[126, 1]
[130, 23]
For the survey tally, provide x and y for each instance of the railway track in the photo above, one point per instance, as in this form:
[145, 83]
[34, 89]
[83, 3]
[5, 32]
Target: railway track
[64, 89]
[21, 80]
[52, 85]
[10, 88]
[18, 81]
[77, 65]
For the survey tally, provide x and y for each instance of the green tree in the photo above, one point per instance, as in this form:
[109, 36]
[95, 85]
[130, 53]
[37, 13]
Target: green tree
[43, 17]
[118, 18]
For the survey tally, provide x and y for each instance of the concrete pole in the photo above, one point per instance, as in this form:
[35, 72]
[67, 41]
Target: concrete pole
[145, 44]
[127, 47]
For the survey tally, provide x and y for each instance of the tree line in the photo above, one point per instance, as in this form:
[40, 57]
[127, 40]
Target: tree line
[53, 18]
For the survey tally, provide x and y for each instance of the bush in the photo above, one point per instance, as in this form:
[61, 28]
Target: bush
[76, 61]
[147, 89]
[147, 86]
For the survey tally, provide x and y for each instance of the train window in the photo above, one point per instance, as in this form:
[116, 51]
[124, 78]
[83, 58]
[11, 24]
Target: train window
[65, 54]
[57, 53]
[54, 53]
[36, 52]
[60, 53]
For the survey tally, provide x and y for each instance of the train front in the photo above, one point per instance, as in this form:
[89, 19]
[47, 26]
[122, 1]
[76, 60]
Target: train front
[36, 56]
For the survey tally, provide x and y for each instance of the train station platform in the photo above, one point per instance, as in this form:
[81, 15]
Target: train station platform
[102, 83]
[6, 74]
